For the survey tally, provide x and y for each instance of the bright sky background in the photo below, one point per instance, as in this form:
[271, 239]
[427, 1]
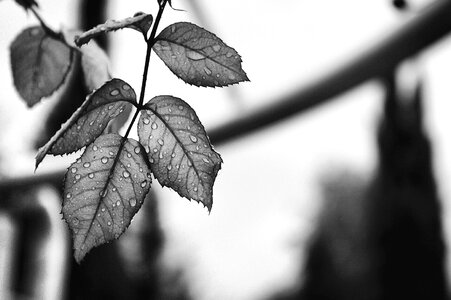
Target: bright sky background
[266, 196]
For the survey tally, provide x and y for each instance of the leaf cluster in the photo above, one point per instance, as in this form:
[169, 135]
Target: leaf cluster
[107, 185]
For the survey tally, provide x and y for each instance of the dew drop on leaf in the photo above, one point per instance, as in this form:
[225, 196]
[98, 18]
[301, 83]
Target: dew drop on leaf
[86, 164]
[132, 202]
[193, 138]
[126, 174]
[104, 159]
[137, 150]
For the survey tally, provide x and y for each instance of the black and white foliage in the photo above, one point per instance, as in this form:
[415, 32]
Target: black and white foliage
[107, 185]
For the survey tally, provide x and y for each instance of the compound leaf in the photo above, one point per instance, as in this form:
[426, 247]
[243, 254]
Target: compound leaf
[178, 148]
[199, 57]
[103, 190]
[89, 121]
[40, 64]
[140, 21]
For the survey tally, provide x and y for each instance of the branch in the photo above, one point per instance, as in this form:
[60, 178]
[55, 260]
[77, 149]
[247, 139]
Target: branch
[422, 31]
[425, 29]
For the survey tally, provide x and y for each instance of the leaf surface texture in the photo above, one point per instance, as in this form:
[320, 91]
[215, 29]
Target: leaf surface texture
[90, 120]
[103, 191]
[199, 57]
[178, 148]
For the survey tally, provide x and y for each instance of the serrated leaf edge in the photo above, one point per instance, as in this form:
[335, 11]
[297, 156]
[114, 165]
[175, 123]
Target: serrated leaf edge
[158, 38]
[43, 151]
[161, 118]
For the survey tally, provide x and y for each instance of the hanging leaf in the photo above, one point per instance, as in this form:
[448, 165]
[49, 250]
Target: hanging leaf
[40, 64]
[103, 190]
[94, 61]
[178, 148]
[89, 121]
[199, 57]
[140, 22]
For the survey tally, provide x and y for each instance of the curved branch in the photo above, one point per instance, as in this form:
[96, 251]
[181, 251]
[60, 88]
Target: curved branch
[426, 28]
[422, 31]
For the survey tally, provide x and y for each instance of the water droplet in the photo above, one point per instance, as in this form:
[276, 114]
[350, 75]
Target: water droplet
[91, 175]
[169, 168]
[104, 159]
[206, 160]
[231, 77]
[161, 155]
[103, 193]
[161, 142]
[173, 155]
[166, 118]
[132, 202]
[114, 189]
[129, 155]
[77, 177]
[155, 150]
[75, 221]
[86, 164]
[144, 183]
[147, 148]
[118, 202]
[95, 148]
[193, 138]
[78, 127]
[207, 71]
[195, 188]
[126, 87]
[110, 107]
[146, 121]
[229, 54]
[177, 166]
[109, 223]
[103, 209]
[181, 107]
[111, 153]
[216, 48]
[194, 55]
[69, 195]
[114, 92]
[91, 123]
[126, 174]
[137, 150]
[73, 170]
[151, 160]
[154, 126]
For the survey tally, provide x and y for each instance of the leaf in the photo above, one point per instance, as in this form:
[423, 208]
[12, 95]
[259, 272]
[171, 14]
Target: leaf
[140, 22]
[89, 121]
[178, 148]
[94, 61]
[103, 190]
[40, 64]
[199, 57]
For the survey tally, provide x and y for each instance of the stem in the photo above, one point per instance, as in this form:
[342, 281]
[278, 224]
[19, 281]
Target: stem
[47, 29]
[149, 43]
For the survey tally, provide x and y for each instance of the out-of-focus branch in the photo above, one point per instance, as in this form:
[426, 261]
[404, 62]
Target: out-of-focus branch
[426, 28]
